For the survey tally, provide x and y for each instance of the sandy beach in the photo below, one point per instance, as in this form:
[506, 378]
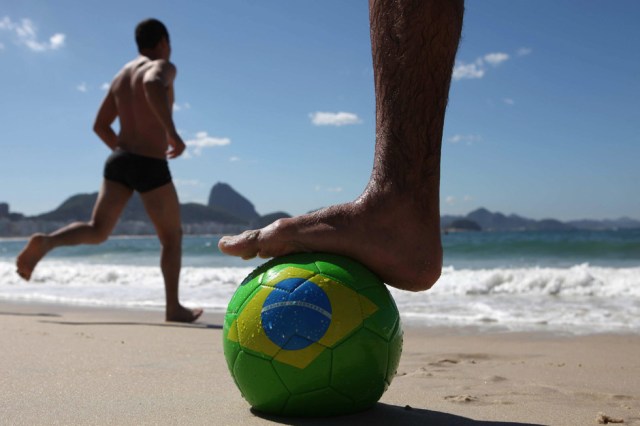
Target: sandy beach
[75, 365]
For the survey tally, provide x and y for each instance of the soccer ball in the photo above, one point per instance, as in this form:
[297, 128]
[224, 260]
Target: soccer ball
[312, 335]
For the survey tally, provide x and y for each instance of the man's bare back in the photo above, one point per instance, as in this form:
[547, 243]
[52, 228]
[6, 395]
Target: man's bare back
[141, 130]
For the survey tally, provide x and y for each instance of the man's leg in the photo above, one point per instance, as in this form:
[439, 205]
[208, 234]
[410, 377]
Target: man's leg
[111, 201]
[394, 226]
[164, 210]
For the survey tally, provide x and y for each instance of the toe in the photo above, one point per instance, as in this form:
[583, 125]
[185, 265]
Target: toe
[197, 313]
[24, 274]
[243, 245]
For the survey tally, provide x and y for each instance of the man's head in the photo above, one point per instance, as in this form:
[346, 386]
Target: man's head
[151, 34]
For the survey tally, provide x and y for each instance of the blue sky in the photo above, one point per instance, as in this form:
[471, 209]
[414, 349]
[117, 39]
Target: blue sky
[276, 99]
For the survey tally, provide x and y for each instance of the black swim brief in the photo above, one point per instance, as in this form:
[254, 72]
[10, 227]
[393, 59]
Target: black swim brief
[137, 172]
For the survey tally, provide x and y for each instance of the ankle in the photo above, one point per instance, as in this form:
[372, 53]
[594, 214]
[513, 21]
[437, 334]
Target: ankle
[173, 307]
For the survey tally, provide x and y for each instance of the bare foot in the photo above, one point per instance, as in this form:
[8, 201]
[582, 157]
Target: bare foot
[182, 314]
[29, 257]
[399, 240]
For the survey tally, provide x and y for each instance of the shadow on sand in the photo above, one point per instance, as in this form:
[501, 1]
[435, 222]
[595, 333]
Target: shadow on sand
[199, 325]
[29, 314]
[391, 415]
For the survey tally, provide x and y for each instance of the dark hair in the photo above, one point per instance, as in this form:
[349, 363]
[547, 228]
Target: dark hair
[149, 33]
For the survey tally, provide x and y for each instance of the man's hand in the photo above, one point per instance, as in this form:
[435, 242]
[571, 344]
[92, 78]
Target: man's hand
[176, 145]
[107, 114]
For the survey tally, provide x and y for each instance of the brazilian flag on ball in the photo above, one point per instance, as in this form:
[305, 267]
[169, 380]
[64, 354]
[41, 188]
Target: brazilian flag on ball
[312, 335]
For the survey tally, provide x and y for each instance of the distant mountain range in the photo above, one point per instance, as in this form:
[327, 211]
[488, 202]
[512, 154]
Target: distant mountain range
[226, 211]
[489, 221]
[229, 211]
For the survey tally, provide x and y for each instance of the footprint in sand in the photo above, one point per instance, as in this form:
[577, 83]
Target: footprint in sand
[494, 379]
[461, 398]
[421, 372]
[443, 362]
[603, 419]
[621, 397]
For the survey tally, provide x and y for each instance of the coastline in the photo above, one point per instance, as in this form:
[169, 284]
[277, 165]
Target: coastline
[84, 365]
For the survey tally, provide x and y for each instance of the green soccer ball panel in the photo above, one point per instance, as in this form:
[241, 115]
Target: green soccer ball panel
[384, 321]
[259, 383]
[360, 366]
[319, 403]
[347, 271]
[395, 351]
[313, 377]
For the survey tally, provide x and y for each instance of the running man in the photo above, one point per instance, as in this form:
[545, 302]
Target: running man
[141, 96]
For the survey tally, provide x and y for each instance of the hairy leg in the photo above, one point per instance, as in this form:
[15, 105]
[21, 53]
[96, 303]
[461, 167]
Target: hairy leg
[111, 201]
[394, 226]
[163, 208]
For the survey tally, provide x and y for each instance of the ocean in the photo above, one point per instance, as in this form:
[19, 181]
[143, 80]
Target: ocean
[573, 282]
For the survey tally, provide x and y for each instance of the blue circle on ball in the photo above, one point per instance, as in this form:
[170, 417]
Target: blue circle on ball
[296, 314]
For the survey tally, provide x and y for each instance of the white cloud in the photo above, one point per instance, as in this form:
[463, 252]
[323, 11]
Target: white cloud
[105, 86]
[234, 159]
[57, 41]
[202, 140]
[469, 139]
[27, 34]
[451, 200]
[178, 107]
[468, 71]
[5, 23]
[334, 118]
[82, 87]
[508, 101]
[478, 68]
[496, 59]
[1, 46]
[524, 51]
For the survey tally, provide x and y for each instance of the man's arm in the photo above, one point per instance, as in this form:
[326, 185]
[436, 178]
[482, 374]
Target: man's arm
[158, 88]
[106, 116]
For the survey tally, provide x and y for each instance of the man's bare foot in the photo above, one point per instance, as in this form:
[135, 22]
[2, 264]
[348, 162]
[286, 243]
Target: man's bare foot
[397, 239]
[394, 227]
[182, 314]
[29, 257]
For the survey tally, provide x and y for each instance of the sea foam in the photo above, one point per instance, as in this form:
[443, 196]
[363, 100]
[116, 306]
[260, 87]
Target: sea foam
[578, 299]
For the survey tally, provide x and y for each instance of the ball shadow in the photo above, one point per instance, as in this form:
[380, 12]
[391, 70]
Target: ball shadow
[390, 415]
